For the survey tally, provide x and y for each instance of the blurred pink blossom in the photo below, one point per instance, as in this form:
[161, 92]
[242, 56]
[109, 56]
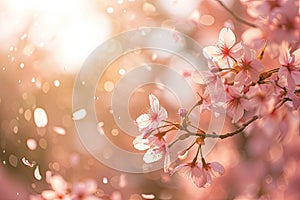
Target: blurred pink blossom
[200, 173]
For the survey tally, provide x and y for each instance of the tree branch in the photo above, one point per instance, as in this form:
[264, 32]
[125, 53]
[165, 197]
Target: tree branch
[235, 16]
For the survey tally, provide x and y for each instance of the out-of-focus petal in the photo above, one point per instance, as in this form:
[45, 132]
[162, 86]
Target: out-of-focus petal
[217, 167]
[284, 55]
[49, 194]
[58, 184]
[91, 186]
[296, 76]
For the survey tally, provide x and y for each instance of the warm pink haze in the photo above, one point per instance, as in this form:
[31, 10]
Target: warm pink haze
[191, 99]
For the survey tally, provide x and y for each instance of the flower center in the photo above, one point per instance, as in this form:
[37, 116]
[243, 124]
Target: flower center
[154, 116]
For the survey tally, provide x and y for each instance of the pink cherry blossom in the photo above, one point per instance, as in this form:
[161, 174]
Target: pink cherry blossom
[60, 189]
[84, 190]
[200, 174]
[249, 68]
[213, 97]
[284, 23]
[262, 99]
[289, 73]
[156, 147]
[236, 104]
[280, 22]
[257, 9]
[154, 118]
[225, 51]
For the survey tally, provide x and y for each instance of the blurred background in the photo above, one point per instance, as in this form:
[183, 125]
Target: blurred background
[43, 44]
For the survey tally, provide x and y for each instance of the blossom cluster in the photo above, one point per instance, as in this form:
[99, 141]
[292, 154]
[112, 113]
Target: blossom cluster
[256, 93]
[60, 189]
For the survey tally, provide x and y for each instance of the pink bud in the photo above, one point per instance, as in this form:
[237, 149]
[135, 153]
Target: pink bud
[182, 112]
[182, 154]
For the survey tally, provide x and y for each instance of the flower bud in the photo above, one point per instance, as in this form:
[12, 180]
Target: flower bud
[182, 112]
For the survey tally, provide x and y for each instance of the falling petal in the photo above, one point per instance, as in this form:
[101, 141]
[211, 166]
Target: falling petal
[79, 114]
[59, 130]
[26, 162]
[148, 196]
[105, 180]
[40, 117]
[100, 128]
[37, 174]
[123, 181]
[31, 144]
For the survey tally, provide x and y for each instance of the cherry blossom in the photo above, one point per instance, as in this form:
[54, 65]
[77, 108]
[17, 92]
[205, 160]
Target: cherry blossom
[249, 68]
[213, 97]
[289, 73]
[276, 21]
[84, 190]
[225, 51]
[60, 189]
[156, 147]
[261, 99]
[261, 8]
[200, 173]
[236, 104]
[154, 118]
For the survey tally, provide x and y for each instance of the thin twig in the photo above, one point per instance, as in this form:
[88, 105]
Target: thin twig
[235, 16]
[241, 129]
[223, 136]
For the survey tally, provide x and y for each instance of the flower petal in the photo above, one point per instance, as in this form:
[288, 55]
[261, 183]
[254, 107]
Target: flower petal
[154, 103]
[58, 184]
[140, 143]
[49, 194]
[152, 155]
[227, 37]
[143, 121]
[217, 167]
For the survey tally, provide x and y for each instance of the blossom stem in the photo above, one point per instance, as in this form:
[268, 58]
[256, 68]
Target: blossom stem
[223, 69]
[196, 156]
[195, 127]
[280, 104]
[235, 16]
[164, 126]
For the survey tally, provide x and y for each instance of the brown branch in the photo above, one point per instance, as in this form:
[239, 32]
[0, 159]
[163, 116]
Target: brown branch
[223, 136]
[239, 130]
[235, 16]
